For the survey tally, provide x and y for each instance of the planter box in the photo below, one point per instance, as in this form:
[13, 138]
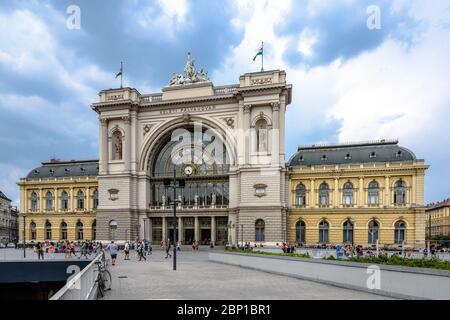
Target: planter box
[394, 281]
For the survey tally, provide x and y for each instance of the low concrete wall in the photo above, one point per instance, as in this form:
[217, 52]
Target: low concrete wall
[393, 281]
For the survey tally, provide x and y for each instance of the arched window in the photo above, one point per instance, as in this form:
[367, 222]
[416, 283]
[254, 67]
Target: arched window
[94, 230]
[117, 145]
[300, 231]
[112, 229]
[80, 200]
[63, 231]
[33, 230]
[49, 200]
[48, 230]
[95, 199]
[80, 235]
[348, 194]
[34, 201]
[373, 193]
[323, 231]
[261, 135]
[373, 231]
[260, 230]
[400, 192]
[64, 201]
[300, 195]
[399, 232]
[324, 194]
[348, 232]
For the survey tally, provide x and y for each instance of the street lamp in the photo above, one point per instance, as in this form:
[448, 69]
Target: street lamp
[173, 184]
[24, 221]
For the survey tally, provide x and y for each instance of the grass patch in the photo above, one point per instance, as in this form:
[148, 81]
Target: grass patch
[399, 261]
[298, 255]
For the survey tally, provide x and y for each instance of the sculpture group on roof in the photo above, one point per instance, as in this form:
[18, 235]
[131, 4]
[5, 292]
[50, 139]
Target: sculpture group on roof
[190, 75]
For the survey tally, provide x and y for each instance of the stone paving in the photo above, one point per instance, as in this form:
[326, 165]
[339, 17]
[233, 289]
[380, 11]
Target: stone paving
[197, 278]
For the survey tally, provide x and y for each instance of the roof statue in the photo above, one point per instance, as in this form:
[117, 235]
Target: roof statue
[190, 75]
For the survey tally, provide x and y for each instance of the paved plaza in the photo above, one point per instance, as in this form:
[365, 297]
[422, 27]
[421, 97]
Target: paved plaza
[198, 278]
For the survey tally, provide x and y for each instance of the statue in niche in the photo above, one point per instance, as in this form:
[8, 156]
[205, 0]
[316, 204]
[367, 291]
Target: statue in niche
[261, 135]
[117, 145]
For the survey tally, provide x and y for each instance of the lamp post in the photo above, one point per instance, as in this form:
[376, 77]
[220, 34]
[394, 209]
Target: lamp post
[24, 221]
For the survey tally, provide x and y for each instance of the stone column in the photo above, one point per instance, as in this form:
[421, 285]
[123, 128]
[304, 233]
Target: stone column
[361, 191]
[70, 202]
[180, 229]
[164, 229]
[241, 134]
[336, 192]
[150, 230]
[386, 191]
[414, 190]
[41, 201]
[55, 201]
[213, 230]
[103, 163]
[247, 135]
[312, 195]
[196, 229]
[87, 205]
[127, 143]
[276, 134]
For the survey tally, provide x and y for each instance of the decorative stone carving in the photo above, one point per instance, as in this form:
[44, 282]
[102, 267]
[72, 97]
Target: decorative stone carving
[260, 189]
[113, 194]
[229, 122]
[190, 75]
[186, 117]
[146, 129]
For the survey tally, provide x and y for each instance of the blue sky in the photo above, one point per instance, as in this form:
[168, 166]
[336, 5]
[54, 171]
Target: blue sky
[350, 83]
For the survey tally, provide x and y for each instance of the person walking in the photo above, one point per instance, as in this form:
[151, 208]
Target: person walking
[51, 250]
[113, 249]
[40, 250]
[127, 250]
[168, 249]
[141, 252]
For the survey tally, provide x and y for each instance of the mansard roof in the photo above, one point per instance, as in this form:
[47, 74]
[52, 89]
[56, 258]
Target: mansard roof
[3, 196]
[359, 152]
[58, 168]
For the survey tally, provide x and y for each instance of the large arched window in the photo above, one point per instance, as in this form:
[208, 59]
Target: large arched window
[63, 231]
[300, 231]
[80, 231]
[400, 192]
[48, 230]
[80, 200]
[373, 193]
[64, 200]
[34, 201]
[117, 145]
[261, 135]
[323, 231]
[348, 232]
[112, 229]
[95, 199]
[348, 194]
[33, 230]
[260, 230]
[94, 230]
[373, 232]
[400, 232]
[300, 195]
[49, 201]
[324, 194]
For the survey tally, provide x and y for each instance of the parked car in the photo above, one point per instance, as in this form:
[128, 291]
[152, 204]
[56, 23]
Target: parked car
[2, 246]
[11, 245]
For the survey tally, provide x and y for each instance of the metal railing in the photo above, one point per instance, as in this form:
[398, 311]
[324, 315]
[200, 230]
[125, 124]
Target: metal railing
[82, 285]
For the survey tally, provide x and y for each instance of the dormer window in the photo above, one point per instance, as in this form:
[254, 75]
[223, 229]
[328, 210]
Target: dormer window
[348, 156]
[373, 155]
[36, 171]
[66, 170]
[324, 158]
[302, 159]
[82, 169]
[52, 171]
[399, 154]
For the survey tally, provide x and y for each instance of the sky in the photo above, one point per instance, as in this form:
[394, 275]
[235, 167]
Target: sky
[361, 70]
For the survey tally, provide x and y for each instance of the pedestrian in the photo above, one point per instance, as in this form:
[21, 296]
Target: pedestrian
[40, 250]
[168, 250]
[141, 252]
[113, 248]
[127, 250]
[51, 250]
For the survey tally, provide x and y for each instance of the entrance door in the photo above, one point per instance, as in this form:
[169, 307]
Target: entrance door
[205, 236]
[188, 236]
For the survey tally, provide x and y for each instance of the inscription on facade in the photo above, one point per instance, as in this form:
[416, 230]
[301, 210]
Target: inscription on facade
[261, 81]
[115, 97]
[188, 109]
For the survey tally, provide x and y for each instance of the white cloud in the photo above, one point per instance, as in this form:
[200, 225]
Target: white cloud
[8, 179]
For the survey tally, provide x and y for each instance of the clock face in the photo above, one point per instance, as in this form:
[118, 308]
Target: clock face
[188, 170]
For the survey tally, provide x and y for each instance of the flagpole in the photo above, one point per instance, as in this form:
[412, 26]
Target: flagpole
[262, 57]
[121, 74]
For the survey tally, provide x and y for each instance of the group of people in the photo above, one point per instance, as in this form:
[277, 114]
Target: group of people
[69, 248]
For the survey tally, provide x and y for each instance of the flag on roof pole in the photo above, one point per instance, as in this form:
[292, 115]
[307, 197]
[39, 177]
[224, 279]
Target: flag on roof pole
[120, 74]
[260, 53]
